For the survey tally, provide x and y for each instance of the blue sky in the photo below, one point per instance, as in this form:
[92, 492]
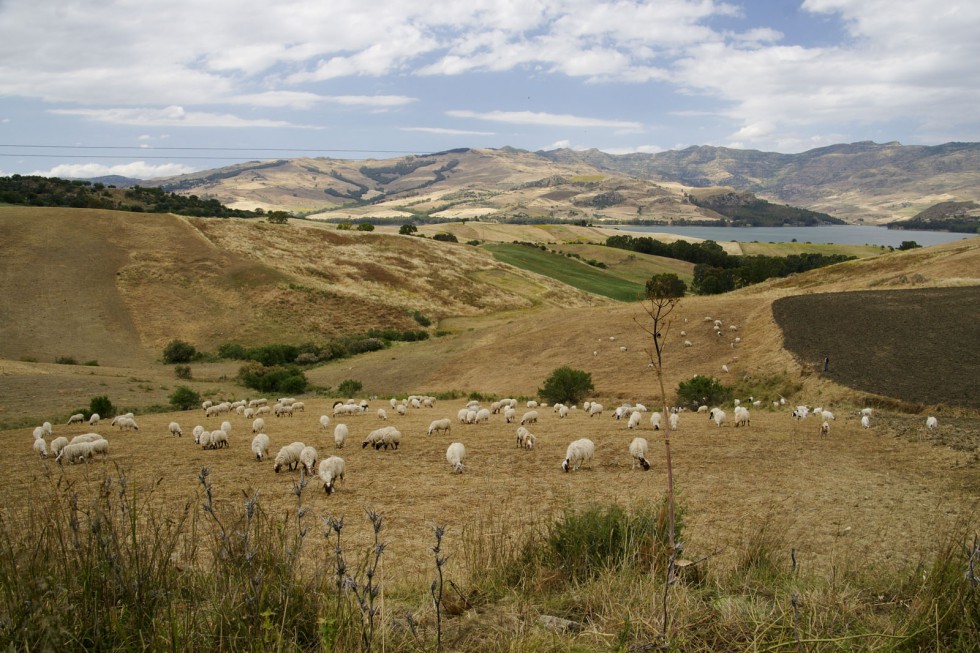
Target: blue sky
[147, 88]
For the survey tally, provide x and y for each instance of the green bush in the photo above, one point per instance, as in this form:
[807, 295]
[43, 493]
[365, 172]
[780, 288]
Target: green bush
[445, 237]
[270, 355]
[567, 386]
[232, 351]
[702, 390]
[349, 387]
[102, 406]
[92, 363]
[183, 398]
[421, 319]
[365, 226]
[178, 351]
[182, 371]
[286, 379]
[407, 229]
[66, 360]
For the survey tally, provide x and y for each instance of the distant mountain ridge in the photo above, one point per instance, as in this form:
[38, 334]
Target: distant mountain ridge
[858, 182]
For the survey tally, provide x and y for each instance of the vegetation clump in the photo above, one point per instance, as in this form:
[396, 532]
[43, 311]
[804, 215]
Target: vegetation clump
[700, 390]
[184, 398]
[286, 379]
[566, 385]
[178, 351]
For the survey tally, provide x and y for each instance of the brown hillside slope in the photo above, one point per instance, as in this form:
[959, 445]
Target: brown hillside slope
[116, 287]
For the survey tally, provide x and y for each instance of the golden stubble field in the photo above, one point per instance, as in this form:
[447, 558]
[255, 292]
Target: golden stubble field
[862, 495]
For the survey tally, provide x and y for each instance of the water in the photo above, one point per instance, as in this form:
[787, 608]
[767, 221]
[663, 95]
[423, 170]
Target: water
[837, 234]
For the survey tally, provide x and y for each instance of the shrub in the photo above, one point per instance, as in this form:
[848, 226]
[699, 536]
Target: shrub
[445, 237]
[407, 229]
[702, 390]
[666, 286]
[421, 319]
[102, 406]
[287, 379]
[362, 345]
[566, 385]
[345, 226]
[909, 244]
[365, 226]
[349, 387]
[183, 398]
[270, 355]
[178, 351]
[232, 351]
[182, 371]
[66, 360]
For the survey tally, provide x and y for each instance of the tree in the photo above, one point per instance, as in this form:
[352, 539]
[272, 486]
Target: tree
[665, 285]
[365, 226]
[702, 390]
[102, 406]
[567, 386]
[445, 237]
[909, 244]
[183, 398]
[278, 217]
[407, 229]
[345, 226]
[178, 351]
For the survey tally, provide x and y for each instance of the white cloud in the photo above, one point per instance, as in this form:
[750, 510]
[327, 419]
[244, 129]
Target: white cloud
[173, 116]
[545, 119]
[137, 169]
[302, 100]
[448, 132]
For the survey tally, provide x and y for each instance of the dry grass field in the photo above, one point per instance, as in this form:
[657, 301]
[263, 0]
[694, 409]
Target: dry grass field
[860, 501]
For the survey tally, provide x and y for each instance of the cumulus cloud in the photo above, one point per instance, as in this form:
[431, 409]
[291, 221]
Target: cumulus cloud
[136, 169]
[173, 116]
[445, 131]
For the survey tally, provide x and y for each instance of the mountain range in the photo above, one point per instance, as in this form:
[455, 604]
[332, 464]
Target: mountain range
[863, 182]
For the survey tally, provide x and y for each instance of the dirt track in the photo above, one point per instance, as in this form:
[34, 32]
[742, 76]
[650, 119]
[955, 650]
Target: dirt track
[919, 346]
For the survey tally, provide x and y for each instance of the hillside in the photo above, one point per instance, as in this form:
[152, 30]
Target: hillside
[859, 182]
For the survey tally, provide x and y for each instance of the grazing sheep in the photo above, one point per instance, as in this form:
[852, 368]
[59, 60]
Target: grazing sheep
[94, 419]
[866, 411]
[262, 410]
[439, 425]
[219, 439]
[532, 404]
[718, 415]
[298, 406]
[865, 421]
[288, 456]
[38, 432]
[226, 427]
[634, 420]
[206, 404]
[579, 453]
[655, 420]
[248, 413]
[741, 416]
[258, 425]
[390, 437]
[455, 455]
[595, 409]
[282, 410]
[260, 446]
[77, 418]
[175, 431]
[124, 422]
[256, 403]
[48, 429]
[308, 458]
[41, 447]
[198, 430]
[331, 469]
[530, 417]
[461, 415]
[638, 450]
[340, 434]
[324, 422]
[931, 422]
[204, 439]
[510, 415]
[401, 409]
[827, 415]
[482, 416]
[58, 444]
[675, 421]
[724, 368]
[825, 428]
[525, 439]
[100, 446]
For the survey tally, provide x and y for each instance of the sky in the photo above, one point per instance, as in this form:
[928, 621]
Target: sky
[150, 88]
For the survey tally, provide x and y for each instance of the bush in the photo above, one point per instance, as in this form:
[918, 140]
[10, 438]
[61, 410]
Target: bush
[178, 351]
[182, 371]
[183, 398]
[92, 363]
[566, 386]
[445, 237]
[421, 319]
[286, 379]
[407, 229]
[909, 244]
[270, 355]
[102, 406]
[702, 390]
[232, 351]
[365, 226]
[349, 388]
[66, 360]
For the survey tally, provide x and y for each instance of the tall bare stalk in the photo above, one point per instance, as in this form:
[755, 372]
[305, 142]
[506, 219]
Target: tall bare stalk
[664, 292]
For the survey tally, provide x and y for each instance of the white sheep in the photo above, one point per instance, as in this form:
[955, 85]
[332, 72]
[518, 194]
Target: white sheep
[226, 427]
[38, 432]
[283, 410]
[126, 423]
[718, 415]
[41, 447]
[525, 439]
[595, 409]
[260, 446]
[331, 470]
[482, 416]
[324, 422]
[94, 419]
[634, 420]
[48, 429]
[198, 430]
[675, 421]
[509, 415]
[931, 422]
[308, 458]
[638, 450]
[724, 368]
[258, 425]
[866, 411]
[288, 456]
[741, 416]
[77, 418]
[688, 343]
[825, 428]
[655, 420]
[440, 425]
[174, 429]
[461, 415]
[298, 406]
[204, 439]
[262, 410]
[401, 409]
[579, 453]
[827, 415]
[340, 434]
[530, 417]
[562, 412]
[532, 404]
[57, 445]
[207, 403]
[865, 421]
[455, 455]
[219, 439]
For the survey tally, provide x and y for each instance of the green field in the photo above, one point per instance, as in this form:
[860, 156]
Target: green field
[629, 266]
[786, 249]
[567, 270]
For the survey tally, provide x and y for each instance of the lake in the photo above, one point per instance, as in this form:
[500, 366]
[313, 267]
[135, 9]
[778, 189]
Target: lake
[837, 234]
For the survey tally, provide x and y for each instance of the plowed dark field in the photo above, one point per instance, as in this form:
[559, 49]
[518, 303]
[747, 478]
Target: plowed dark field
[919, 346]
